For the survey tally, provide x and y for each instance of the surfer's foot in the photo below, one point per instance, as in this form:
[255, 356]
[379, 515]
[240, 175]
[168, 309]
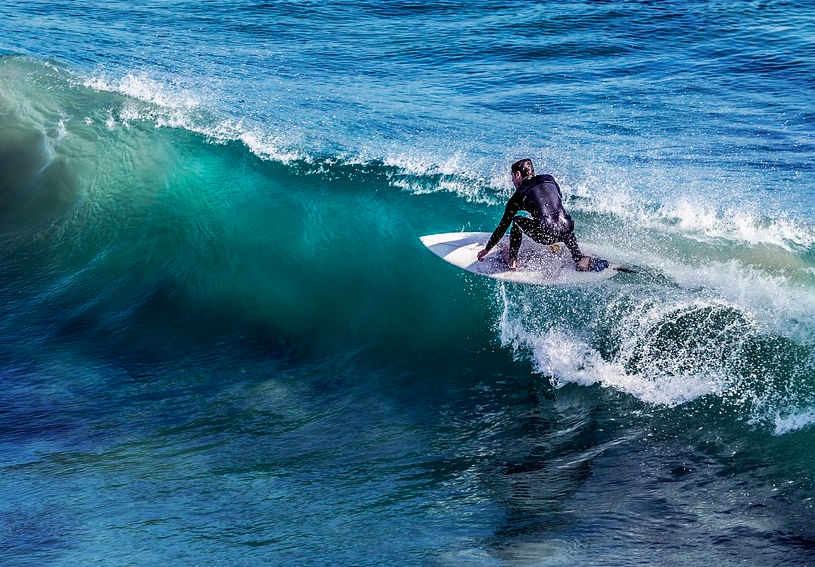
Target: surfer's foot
[591, 264]
[584, 264]
[511, 264]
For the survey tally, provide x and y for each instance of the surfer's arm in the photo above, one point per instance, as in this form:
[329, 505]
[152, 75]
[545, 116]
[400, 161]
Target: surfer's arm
[513, 206]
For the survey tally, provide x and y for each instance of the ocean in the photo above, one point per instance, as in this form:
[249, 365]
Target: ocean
[222, 343]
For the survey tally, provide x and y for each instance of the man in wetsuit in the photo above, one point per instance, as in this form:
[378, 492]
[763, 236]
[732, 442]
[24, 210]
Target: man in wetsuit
[540, 196]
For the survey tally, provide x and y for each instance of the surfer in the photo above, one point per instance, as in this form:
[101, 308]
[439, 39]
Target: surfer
[540, 196]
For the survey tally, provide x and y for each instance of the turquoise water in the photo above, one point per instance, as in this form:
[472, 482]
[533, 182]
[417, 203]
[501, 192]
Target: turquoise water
[223, 343]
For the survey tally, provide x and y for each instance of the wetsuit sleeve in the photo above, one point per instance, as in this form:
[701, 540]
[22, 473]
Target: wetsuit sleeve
[513, 206]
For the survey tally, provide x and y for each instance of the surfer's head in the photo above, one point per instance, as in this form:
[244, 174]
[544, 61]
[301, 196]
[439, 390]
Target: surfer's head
[521, 171]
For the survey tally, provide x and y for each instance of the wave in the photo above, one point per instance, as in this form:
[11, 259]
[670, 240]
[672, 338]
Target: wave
[133, 204]
[478, 180]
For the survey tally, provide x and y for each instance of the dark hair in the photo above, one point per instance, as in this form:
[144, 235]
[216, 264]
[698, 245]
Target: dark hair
[525, 167]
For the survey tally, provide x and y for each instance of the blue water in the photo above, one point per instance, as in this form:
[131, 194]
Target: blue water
[221, 341]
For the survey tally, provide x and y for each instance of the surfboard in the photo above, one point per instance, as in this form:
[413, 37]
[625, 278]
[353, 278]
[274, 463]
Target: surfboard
[538, 264]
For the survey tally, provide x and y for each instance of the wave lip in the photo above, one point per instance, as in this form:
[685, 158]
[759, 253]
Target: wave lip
[172, 106]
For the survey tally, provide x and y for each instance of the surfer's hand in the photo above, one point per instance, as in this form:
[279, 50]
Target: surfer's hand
[481, 255]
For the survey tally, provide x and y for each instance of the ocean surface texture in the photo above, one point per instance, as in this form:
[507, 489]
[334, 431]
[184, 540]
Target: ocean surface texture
[222, 343]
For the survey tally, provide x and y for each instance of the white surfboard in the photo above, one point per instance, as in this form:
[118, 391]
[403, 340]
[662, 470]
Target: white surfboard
[538, 265]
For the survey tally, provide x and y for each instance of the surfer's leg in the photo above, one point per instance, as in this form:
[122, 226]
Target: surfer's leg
[582, 263]
[515, 238]
[536, 232]
[542, 236]
[520, 226]
[571, 243]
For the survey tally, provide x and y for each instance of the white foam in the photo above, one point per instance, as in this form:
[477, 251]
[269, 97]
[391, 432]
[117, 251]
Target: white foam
[142, 87]
[564, 355]
[566, 358]
[697, 219]
[794, 421]
[171, 106]
[669, 346]
[773, 300]
[416, 163]
[737, 225]
[61, 130]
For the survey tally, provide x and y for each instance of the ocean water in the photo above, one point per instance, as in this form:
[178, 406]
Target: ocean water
[222, 343]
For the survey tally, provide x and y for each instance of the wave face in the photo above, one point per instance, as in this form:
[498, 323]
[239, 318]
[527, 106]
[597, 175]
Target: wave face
[222, 337]
[125, 218]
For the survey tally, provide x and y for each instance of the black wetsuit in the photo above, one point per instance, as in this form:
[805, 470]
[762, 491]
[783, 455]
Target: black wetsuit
[540, 196]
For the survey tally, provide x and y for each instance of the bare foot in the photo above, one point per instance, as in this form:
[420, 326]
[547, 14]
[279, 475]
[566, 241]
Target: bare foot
[513, 264]
[584, 264]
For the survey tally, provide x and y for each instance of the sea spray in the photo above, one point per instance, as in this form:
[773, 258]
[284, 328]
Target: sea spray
[666, 345]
